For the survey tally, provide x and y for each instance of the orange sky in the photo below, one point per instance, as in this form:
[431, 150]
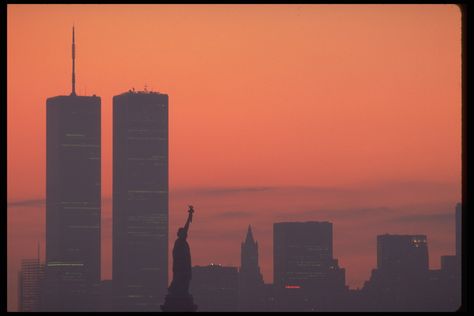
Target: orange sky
[347, 113]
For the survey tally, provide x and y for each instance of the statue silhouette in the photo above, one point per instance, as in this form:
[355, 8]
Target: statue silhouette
[178, 298]
[182, 260]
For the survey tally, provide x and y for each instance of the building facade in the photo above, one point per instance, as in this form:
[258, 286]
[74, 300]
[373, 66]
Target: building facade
[306, 276]
[29, 280]
[73, 200]
[303, 256]
[402, 254]
[402, 277]
[140, 200]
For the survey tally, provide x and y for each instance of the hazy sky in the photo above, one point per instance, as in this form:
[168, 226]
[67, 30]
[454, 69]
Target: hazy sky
[346, 113]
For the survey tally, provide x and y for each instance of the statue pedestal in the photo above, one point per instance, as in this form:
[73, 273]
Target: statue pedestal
[179, 303]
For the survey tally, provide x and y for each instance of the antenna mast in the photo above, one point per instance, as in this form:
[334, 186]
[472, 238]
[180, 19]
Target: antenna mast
[73, 64]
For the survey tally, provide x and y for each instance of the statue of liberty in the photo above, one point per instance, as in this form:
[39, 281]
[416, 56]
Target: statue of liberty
[182, 259]
[178, 298]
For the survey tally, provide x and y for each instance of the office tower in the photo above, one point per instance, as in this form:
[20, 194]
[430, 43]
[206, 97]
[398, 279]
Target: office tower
[402, 254]
[250, 278]
[29, 280]
[215, 288]
[401, 280]
[459, 230]
[457, 279]
[106, 296]
[303, 256]
[73, 199]
[449, 264]
[306, 276]
[140, 200]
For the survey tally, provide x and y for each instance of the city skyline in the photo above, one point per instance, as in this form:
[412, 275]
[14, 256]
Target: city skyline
[388, 198]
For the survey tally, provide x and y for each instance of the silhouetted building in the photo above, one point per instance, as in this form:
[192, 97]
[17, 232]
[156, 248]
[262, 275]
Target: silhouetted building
[73, 200]
[250, 278]
[269, 298]
[450, 284]
[215, 288]
[450, 274]
[457, 291]
[140, 200]
[306, 275]
[459, 230]
[29, 280]
[303, 256]
[458, 268]
[400, 282]
[402, 254]
[106, 297]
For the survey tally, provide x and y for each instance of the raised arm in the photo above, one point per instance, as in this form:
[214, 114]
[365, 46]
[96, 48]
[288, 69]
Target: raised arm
[190, 218]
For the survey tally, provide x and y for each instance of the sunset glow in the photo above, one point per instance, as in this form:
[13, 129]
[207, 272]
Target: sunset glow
[342, 113]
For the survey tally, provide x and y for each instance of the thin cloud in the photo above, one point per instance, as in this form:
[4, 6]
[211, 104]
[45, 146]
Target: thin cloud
[228, 191]
[220, 191]
[232, 214]
[340, 213]
[436, 217]
[42, 202]
[27, 203]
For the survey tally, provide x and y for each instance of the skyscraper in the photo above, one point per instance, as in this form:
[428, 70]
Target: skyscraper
[140, 200]
[250, 278]
[73, 199]
[458, 280]
[459, 231]
[29, 280]
[306, 276]
[402, 254]
[400, 282]
[303, 256]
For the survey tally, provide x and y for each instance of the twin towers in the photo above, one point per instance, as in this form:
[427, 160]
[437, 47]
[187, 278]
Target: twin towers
[73, 200]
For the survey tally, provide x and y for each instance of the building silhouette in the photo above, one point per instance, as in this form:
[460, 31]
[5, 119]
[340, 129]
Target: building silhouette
[73, 200]
[215, 288]
[459, 231]
[306, 276]
[250, 277]
[402, 254]
[458, 279]
[449, 277]
[400, 281]
[140, 200]
[458, 261]
[29, 280]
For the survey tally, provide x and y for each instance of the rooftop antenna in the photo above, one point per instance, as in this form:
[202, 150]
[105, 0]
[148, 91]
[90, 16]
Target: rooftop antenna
[73, 63]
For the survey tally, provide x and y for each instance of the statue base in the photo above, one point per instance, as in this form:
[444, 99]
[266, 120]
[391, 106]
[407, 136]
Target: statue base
[179, 303]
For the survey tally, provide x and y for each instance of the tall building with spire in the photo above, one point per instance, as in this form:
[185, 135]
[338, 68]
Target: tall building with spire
[73, 199]
[140, 200]
[250, 277]
[249, 268]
